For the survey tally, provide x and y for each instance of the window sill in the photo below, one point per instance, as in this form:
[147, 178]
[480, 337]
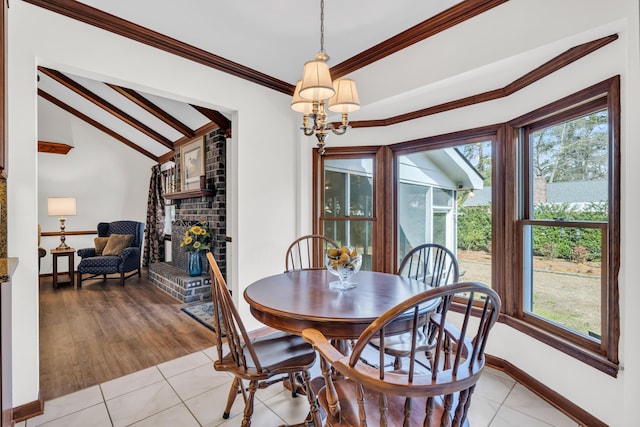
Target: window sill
[593, 359]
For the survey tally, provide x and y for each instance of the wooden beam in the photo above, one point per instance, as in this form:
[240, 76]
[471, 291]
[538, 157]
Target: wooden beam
[216, 117]
[106, 21]
[152, 108]
[95, 124]
[53, 147]
[453, 16]
[105, 105]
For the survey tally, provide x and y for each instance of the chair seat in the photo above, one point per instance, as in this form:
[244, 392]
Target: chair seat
[277, 352]
[107, 262]
[346, 390]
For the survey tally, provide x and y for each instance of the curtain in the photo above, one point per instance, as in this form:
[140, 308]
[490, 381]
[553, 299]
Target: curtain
[154, 228]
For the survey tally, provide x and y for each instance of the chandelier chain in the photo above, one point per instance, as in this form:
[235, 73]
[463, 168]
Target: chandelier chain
[322, 26]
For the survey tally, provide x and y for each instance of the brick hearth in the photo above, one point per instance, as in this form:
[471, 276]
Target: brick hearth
[177, 283]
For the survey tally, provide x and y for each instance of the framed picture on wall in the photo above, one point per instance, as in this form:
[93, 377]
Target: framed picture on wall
[191, 164]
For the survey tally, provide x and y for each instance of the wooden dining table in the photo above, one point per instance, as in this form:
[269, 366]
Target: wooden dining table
[296, 300]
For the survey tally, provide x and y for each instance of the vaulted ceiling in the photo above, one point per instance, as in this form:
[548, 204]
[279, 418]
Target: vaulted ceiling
[265, 42]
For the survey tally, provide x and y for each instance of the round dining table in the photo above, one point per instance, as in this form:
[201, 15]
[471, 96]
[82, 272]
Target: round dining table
[296, 300]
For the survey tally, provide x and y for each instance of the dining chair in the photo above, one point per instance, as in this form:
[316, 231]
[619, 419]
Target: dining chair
[260, 359]
[441, 395]
[432, 264]
[307, 252]
[435, 265]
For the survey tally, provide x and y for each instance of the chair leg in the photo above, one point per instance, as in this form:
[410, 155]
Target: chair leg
[314, 415]
[235, 389]
[248, 406]
[79, 279]
[139, 272]
[122, 279]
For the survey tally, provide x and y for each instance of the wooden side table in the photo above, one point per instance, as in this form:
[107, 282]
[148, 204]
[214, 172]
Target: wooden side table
[69, 253]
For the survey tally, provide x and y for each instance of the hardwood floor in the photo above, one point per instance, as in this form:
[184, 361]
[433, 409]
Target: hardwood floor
[104, 331]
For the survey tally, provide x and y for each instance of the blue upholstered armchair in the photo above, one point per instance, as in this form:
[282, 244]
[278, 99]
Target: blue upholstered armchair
[114, 260]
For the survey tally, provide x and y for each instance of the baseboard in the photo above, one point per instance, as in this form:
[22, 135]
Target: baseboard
[29, 410]
[561, 403]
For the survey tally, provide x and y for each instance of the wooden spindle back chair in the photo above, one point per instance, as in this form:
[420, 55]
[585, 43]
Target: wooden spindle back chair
[307, 252]
[414, 395]
[435, 265]
[432, 264]
[262, 360]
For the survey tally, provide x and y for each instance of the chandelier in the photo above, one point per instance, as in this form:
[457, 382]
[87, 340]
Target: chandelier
[316, 93]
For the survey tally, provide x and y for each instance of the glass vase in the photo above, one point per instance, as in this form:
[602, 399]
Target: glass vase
[195, 264]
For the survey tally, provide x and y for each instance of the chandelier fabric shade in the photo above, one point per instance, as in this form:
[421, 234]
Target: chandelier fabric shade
[345, 99]
[299, 104]
[316, 81]
[316, 92]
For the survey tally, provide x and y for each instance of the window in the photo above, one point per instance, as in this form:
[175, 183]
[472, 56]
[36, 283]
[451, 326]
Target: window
[530, 207]
[348, 210]
[444, 197]
[567, 222]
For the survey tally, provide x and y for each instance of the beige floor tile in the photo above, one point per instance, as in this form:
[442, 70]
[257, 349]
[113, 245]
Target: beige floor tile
[211, 353]
[209, 406]
[526, 402]
[494, 387]
[262, 416]
[68, 404]
[177, 415]
[507, 417]
[94, 416]
[142, 403]
[292, 410]
[131, 382]
[482, 411]
[184, 363]
[196, 381]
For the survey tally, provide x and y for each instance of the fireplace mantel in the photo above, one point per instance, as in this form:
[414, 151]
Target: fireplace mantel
[189, 194]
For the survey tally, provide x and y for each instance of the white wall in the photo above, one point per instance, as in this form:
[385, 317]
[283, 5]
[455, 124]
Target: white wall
[270, 177]
[260, 236]
[109, 180]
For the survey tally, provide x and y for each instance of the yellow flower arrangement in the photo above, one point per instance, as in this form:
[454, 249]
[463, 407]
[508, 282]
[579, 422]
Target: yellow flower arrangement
[197, 238]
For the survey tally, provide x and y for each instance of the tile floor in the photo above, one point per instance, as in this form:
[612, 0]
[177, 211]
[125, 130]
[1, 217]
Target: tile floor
[188, 392]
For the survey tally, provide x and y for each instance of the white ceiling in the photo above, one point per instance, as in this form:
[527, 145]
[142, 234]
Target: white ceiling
[275, 38]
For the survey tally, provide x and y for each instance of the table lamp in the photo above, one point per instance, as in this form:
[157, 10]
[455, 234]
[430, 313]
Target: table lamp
[61, 206]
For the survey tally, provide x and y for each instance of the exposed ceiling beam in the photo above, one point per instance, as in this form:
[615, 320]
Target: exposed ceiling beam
[549, 67]
[444, 20]
[106, 105]
[95, 124]
[152, 108]
[106, 21]
[216, 117]
[202, 130]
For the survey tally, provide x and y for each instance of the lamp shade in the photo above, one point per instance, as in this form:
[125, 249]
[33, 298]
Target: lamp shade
[316, 81]
[300, 105]
[61, 206]
[346, 98]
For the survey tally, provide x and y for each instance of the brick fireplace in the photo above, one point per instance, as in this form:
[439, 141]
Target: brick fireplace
[172, 277]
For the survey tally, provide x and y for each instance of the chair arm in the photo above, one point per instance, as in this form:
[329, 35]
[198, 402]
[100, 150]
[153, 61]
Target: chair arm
[322, 345]
[130, 259]
[87, 252]
[130, 253]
